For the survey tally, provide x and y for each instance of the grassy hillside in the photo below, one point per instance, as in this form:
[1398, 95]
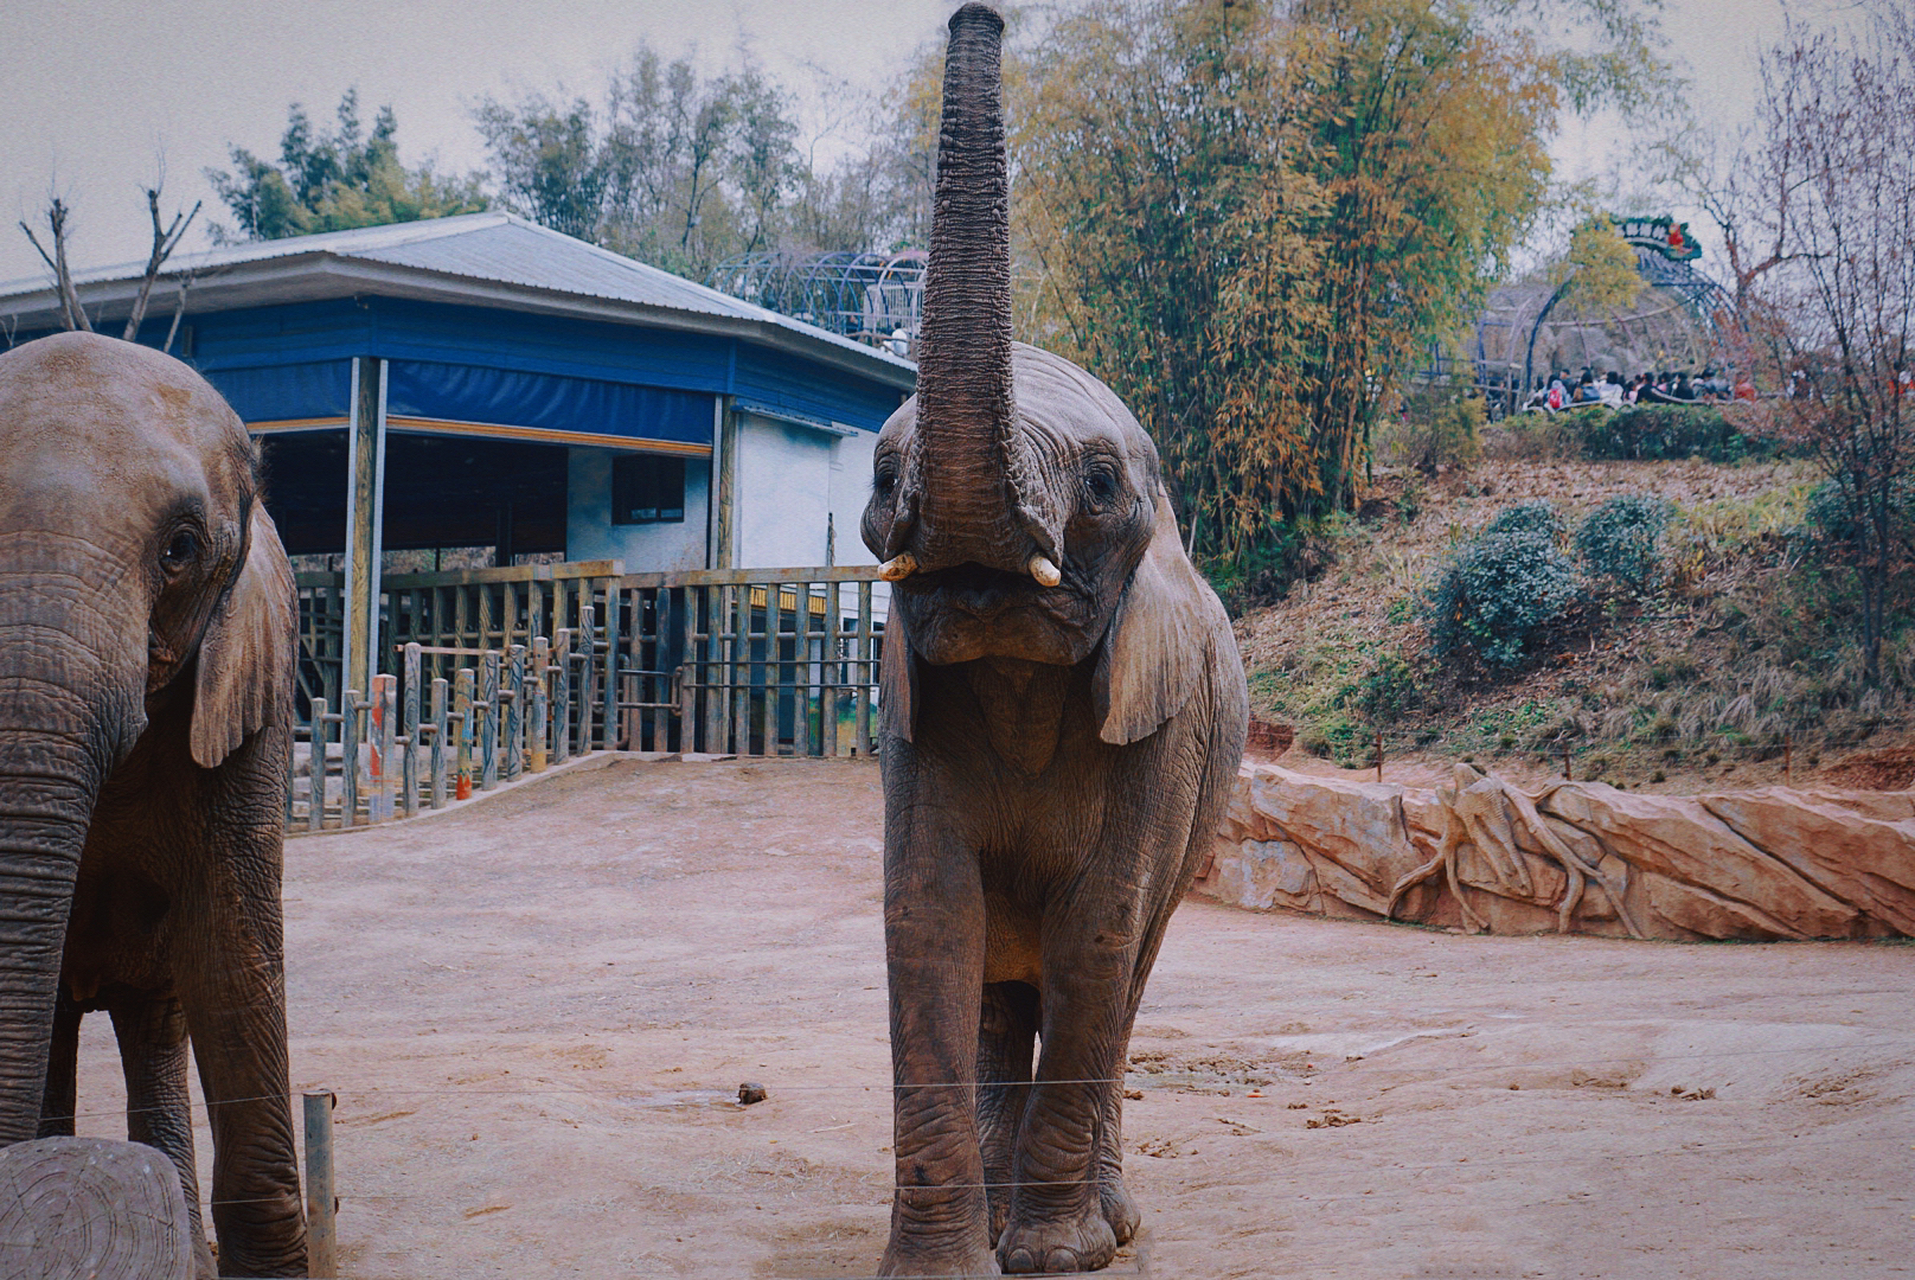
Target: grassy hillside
[1739, 649]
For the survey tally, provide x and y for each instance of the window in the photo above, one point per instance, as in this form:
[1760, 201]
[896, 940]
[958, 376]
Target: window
[648, 489]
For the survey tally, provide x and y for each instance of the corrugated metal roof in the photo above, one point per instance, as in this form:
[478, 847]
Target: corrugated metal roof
[494, 248]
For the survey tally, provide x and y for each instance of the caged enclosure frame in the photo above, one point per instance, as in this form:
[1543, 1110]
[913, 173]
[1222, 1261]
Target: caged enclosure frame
[490, 674]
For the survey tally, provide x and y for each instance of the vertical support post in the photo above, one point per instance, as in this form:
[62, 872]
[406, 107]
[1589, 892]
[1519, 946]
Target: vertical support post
[316, 769]
[829, 671]
[610, 690]
[1566, 777]
[723, 486]
[437, 760]
[1379, 755]
[588, 682]
[562, 695]
[349, 709]
[462, 708]
[541, 710]
[515, 713]
[774, 687]
[1788, 759]
[867, 668]
[412, 669]
[365, 492]
[322, 1239]
[489, 722]
[385, 696]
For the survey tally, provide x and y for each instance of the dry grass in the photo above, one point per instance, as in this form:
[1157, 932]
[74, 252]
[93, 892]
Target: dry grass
[1735, 669]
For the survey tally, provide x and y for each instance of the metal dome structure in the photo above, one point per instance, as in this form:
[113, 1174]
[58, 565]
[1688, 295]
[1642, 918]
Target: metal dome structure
[874, 298]
[1678, 321]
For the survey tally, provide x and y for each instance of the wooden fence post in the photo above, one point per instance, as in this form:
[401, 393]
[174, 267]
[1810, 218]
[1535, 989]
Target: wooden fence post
[610, 691]
[489, 721]
[515, 713]
[462, 682]
[436, 762]
[541, 704]
[316, 769]
[385, 691]
[588, 679]
[562, 695]
[411, 665]
[867, 668]
[349, 708]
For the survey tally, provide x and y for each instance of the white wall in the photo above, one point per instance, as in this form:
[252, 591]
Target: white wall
[645, 548]
[794, 484]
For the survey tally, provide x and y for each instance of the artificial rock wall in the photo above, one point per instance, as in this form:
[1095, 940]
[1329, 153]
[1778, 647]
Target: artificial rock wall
[1579, 857]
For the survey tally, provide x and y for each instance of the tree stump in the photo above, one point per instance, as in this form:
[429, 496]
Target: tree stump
[86, 1207]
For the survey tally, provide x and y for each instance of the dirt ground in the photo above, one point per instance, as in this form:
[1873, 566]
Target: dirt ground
[537, 1011]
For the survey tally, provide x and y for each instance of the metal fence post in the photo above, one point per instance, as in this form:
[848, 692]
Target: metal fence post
[322, 1241]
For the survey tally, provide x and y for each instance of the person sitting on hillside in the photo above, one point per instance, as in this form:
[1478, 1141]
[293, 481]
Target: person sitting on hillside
[1610, 389]
[1558, 393]
[1744, 389]
[1636, 388]
[1683, 391]
[1586, 389]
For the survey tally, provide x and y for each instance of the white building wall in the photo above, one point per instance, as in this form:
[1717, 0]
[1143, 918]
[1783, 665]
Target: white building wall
[799, 489]
[645, 548]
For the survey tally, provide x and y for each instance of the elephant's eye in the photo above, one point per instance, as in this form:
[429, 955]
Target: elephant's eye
[180, 551]
[1101, 483]
[885, 479]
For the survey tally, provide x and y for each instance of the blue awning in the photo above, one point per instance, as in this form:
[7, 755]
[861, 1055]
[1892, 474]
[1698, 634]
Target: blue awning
[545, 403]
[287, 392]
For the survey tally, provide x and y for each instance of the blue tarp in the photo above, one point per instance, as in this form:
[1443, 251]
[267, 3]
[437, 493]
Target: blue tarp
[288, 391]
[472, 393]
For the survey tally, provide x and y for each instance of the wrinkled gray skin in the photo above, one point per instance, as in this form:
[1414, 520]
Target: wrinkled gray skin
[1055, 758]
[146, 649]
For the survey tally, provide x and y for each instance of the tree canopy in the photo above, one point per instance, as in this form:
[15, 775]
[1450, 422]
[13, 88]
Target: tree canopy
[334, 181]
[1254, 220]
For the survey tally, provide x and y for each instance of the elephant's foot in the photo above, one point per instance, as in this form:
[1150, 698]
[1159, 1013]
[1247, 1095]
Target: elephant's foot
[1082, 1243]
[901, 1260]
[1119, 1209]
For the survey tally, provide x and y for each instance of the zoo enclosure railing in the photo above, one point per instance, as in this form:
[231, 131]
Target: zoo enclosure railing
[492, 673]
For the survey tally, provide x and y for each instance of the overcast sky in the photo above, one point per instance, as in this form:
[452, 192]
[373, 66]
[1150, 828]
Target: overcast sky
[98, 90]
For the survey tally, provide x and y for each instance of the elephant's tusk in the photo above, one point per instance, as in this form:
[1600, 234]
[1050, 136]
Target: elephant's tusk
[1046, 573]
[898, 567]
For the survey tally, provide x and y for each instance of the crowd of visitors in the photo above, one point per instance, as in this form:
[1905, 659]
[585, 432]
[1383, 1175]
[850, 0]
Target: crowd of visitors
[1564, 390]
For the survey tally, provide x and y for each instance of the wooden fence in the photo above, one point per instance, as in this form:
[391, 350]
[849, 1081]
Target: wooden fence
[493, 673]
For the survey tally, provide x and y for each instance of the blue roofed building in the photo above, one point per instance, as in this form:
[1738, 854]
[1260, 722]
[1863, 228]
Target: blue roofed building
[482, 382]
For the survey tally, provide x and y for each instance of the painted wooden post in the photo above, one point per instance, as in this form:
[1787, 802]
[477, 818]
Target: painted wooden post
[609, 690]
[741, 670]
[867, 669]
[437, 760]
[322, 1245]
[462, 708]
[365, 487]
[382, 730]
[562, 695]
[515, 713]
[829, 671]
[541, 710]
[489, 722]
[349, 709]
[316, 769]
[413, 668]
[588, 679]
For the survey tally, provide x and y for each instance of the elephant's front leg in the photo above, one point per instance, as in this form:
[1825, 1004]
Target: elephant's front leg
[1006, 1032]
[934, 949]
[1057, 1220]
[152, 1033]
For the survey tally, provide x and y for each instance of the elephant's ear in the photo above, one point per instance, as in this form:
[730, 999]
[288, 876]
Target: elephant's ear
[246, 660]
[1155, 648]
[898, 678]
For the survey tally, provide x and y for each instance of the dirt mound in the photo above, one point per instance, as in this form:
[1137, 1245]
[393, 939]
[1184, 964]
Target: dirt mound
[1889, 769]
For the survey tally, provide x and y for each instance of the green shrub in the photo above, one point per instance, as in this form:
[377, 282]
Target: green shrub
[1622, 539]
[1440, 426]
[1384, 693]
[1529, 517]
[1666, 431]
[1502, 592]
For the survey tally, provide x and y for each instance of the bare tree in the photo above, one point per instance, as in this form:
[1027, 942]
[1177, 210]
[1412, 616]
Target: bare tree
[166, 238]
[1830, 302]
[58, 214]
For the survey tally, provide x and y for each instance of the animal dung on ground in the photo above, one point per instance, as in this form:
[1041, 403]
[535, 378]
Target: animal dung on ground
[750, 1092]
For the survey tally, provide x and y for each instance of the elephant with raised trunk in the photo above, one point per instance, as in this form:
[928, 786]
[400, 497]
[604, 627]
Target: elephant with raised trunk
[1063, 709]
[147, 633]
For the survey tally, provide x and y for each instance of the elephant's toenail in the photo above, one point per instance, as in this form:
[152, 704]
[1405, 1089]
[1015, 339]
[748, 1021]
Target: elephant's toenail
[1019, 1262]
[1061, 1259]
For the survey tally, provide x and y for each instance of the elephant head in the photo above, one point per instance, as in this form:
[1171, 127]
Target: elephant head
[1017, 505]
[138, 572]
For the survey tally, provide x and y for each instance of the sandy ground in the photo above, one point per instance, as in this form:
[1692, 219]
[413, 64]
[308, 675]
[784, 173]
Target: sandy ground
[537, 1011]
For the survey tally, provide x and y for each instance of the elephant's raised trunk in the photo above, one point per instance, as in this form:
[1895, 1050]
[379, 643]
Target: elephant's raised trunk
[979, 498]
